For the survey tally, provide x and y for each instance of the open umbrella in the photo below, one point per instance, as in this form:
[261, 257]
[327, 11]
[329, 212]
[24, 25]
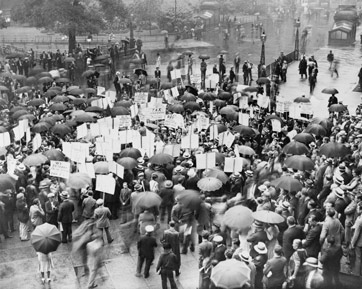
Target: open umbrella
[177, 108]
[245, 150]
[3, 129]
[287, 183]
[61, 129]
[50, 93]
[295, 148]
[230, 274]
[76, 91]
[238, 217]
[45, 238]
[62, 80]
[88, 73]
[101, 168]
[95, 109]
[140, 71]
[330, 90]
[78, 101]
[268, 217]
[7, 182]
[23, 89]
[302, 99]
[209, 184]
[45, 79]
[220, 103]
[41, 127]
[119, 110]
[29, 117]
[192, 106]
[216, 173]
[316, 129]
[69, 59]
[167, 85]
[79, 180]
[251, 89]
[338, 107]
[301, 163]
[54, 155]
[19, 113]
[222, 52]
[244, 130]
[304, 137]
[262, 80]
[127, 162]
[334, 150]
[58, 107]
[229, 109]
[220, 127]
[35, 160]
[31, 80]
[224, 95]
[190, 199]
[147, 200]
[85, 117]
[188, 97]
[50, 120]
[207, 96]
[60, 99]
[325, 122]
[204, 56]
[161, 159]
[124, 103]
[191, 89]
[36, 102]
[130, 152]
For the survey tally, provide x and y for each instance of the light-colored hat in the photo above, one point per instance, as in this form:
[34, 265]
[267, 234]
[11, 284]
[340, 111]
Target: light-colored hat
[64, 194]
[261, 248]
[338, 180]
[249, 173]
[20, 196]
[339, 192]
[168, 184]
[342, 168]
[149, 228]
[218, 239]
[138, 187]
[285, 205]
[51, 195]
[262, 188]
[99, 202]
[178, 169]
[21, 167]
[186, 155]
[311, 261]
[140, 160]
[245, 256]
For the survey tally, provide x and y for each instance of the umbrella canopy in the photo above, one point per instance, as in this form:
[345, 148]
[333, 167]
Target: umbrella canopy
[78, 101]
[140, 71]
[188, 97]
[60, 98]
[287, 183]
[76, 91]
[28, 116]
[41, 127]
[245, 150]
[338, 107]
[19, 113]
[45, 238]
[330, 90]
[301, 99]
[69, 59]
[192, 106]
[207, 96]
[316, 129]
[48, 120]
[161, 159]
[50, 93]
[204, 56]
[262, 80]
[219, 103]
[35, 160]
[238, 217]
[85, 117]
[295, 148]
[96, 109]
[224, 95]
[88, 73]
[62, 79]
[125, 80]
[334, 150]
[30, 80]
[119, 110]
[7, 183]
[147, 200]
[58, 107]
[230, 274]
[124, 103]
[177, 108]
[61, 129]
[270, 117]
[190, 199]
[45, 79]
[127, 162]
[209, 184]
[325, 122]
[79, 180]
[23, 89]
[301, 163]
[304, 137]
[244, 130]
[216, 173]
[36, 102]
[54, 155]
[101, 167]
[229, 109]
[191, 89]
[269, 217]
[130, 152]
[220, 127]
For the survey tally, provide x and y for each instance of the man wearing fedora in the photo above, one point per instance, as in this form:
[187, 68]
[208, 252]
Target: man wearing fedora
[245, 257]
[146, 247]
[259, 261]
[259, 235]
[331, 259]
[313, 274]
[274, 270]
[331, 227]
[293, 232]
[167, 195]
[101, 217]
[219, 250]
[172, 237]
[65, 216]
[166, 265]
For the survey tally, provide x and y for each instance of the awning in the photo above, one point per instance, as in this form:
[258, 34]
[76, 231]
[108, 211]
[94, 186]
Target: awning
[205, 16]
[345, 26]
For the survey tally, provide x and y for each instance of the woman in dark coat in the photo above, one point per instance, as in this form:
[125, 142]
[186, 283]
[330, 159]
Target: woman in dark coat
[23, 217]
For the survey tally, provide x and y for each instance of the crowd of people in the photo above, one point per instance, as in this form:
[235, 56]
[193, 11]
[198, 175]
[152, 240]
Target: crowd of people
[316, 209]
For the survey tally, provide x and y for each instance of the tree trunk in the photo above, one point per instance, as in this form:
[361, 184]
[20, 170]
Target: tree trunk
[71, 40]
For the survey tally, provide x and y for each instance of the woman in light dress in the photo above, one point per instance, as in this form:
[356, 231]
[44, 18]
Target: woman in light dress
[45, 265]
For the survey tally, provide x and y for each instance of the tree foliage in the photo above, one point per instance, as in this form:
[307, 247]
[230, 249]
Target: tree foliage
[146, 10]
[169, 22]
[113, 9]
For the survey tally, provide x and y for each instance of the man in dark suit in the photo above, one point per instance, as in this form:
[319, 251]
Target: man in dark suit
[293, 232]
[311, 242]
[205, 248]
[65, 216]
[219, 251]
[146, 252]
[331, 259]
[171, 236]
[158, 76]
[276, 268]
[258, 236]
[51, 210]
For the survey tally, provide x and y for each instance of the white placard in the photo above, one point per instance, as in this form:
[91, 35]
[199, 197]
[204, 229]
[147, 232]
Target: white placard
[106, 184]
[60, 169]
[116, 168]
[82, 131]
[36, 142]
[205, 161]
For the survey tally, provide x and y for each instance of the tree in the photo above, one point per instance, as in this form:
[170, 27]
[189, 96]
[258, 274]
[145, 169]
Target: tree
[71, 17]
[146, 11]
[113, 9]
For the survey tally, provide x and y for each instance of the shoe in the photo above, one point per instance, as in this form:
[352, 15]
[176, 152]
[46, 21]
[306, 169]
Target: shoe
[178, 273]
[146, 276]
[42, 280]
[93, 286]
[192, 248]
[138, 275]
[49, 280]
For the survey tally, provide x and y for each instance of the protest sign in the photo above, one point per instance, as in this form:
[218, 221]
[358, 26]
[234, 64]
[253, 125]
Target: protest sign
[174, 91]
[141, 97]
[116, 168]
[157, 112]
[60, 169]
[211, 81]
[134, 110]
[233, 165]
[4, 139]
[203, 122]
[36, 142]
[244, 118]
[263, 101]
[82, 130]
[243, 102]
[95, 129]
[276, 125]
[105, 183]
[124, 120]
[190, 141]
[205, 161]
[280, 107]
[87, 168]
[101, 90]
[172, 149]
[226, 138]
[170, 121]
[18, 132]
[213, 131]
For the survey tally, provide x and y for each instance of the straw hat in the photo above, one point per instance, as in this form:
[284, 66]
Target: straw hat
[149, 228]
[261, 248]
[311, 261]
[218, 239]
[168, 184]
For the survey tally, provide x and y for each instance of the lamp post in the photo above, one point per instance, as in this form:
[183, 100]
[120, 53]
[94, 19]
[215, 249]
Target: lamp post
[131, 36]
[296, 48]
[262, 55]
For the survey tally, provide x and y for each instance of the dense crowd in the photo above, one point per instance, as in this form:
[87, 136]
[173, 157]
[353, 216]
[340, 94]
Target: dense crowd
[305, 179]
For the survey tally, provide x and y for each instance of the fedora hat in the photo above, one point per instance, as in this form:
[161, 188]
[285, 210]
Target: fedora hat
[149, 228]
[285, 205]
[168, 184]
[311, 261]
[338, 180]
[64, 194]
[249, 173]
[339, 192]
[218, 239]
[138, 187]
[262, 188]
[342, 168]
[99, 202]
[261, 248]
[258, 224]
[21, 167]
[245, 256]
